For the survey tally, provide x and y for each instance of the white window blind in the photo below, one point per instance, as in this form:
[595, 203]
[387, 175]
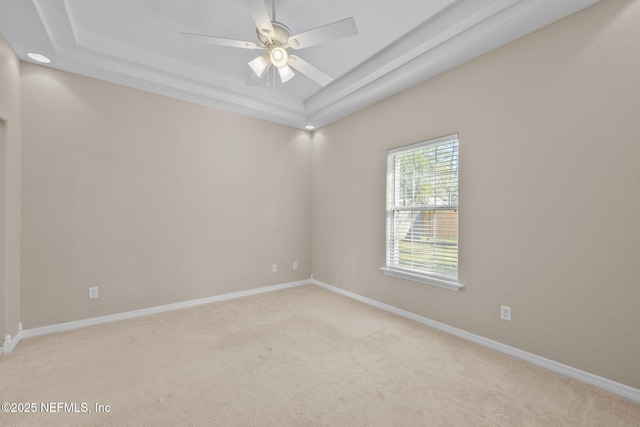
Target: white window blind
[422, 212]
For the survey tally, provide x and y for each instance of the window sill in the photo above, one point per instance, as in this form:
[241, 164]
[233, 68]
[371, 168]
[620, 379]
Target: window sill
[424, 278]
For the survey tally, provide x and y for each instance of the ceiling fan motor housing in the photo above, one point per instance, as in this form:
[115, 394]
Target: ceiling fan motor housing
[280, 38]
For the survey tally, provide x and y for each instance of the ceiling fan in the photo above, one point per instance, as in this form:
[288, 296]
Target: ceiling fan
[276, 38]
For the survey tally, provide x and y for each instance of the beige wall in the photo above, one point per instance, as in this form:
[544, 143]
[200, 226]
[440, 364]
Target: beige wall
[152, 199]
[9, 191]
[549, 192]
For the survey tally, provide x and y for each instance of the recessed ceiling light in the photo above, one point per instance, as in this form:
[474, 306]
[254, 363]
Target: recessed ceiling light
[309, 127]
[38, 57]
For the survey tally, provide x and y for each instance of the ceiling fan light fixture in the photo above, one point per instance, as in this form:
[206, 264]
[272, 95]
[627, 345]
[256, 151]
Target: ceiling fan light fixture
[279, 57]
[286, 73]
[259, 65]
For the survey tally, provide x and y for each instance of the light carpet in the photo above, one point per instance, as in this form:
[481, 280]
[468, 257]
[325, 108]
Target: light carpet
[303, 356]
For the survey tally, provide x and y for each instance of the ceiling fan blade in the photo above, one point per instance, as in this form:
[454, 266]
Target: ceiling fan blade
[309, 70]
[219, 41]
[260, 16]
[337, 30]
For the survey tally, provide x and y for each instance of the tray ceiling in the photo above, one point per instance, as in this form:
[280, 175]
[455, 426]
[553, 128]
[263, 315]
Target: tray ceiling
[137, 43]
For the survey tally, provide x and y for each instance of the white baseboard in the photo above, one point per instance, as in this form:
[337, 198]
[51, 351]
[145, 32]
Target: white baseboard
[60, 327]
[585, 377]
[11, 343]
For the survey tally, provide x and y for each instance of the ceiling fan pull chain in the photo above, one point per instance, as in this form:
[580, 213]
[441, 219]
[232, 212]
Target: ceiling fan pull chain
[274, 82]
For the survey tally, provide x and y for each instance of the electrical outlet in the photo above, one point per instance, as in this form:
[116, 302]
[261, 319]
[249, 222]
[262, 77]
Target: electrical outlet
[274, 268]
[505, 313]
[295, 265]
[93, 292]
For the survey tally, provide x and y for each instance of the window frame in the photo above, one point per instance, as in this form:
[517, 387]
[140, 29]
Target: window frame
[415, 274]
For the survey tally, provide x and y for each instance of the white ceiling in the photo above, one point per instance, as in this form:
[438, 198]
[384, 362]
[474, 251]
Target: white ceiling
[400, 43]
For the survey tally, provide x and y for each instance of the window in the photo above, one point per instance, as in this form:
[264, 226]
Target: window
[422, 212]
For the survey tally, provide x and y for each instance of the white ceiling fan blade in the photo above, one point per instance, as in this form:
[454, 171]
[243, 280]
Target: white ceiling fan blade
[309, 70]
[260, 16]
[337, 30]
[219, 41]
